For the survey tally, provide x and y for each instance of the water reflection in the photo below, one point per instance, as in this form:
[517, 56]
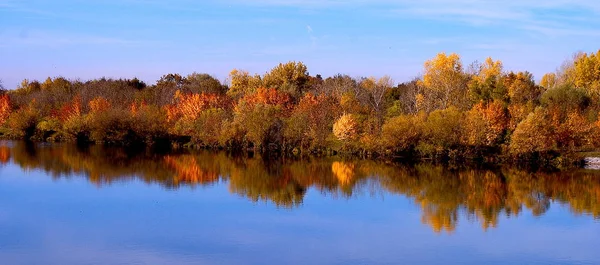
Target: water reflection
[444, 196]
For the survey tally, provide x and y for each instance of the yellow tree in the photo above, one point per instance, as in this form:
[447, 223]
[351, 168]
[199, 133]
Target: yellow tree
[242, 83]
[485, 83]
[587, 72]
[533, 134]
[444, 83]
[346, 128]
[549, 81]
[490, 69]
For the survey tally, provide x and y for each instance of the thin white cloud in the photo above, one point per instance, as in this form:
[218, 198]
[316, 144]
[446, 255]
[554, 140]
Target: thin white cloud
[550, 17]
[57, 39]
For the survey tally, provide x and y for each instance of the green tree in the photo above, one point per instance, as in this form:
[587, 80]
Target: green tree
[242, 83]
[203, 83]
[486, 83]
[291, 77]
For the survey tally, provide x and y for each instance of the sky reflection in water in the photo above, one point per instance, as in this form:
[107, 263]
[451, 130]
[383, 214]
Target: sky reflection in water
[66, 205]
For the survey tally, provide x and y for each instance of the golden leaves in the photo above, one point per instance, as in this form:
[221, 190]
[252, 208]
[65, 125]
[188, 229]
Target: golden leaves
[485, 123]
[444, 82]
[99, 104]
[70, 110]
[190, 106]
[346, 128]
[5, 108]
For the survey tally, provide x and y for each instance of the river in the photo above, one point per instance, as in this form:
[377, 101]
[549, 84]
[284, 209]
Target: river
[64, 204]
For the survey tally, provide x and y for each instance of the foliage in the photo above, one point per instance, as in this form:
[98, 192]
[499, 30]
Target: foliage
[451, 111]
[346, 128]
[402, 133]
[291, 77]
[485, 124]
[22, 123]
[5, 108]
[444, 83]
[486, 83]
[533, 134]
[442, 132]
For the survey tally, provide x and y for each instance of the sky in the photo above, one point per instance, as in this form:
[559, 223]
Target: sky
[85, 39]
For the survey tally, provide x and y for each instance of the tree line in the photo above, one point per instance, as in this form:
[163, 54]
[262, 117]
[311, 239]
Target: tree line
[452, 111]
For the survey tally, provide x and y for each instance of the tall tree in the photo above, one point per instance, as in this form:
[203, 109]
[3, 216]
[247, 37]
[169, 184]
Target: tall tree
[376, 90]
[485, 83]
[587, 72]
[291, 77]
[242, 83]
[444, 83]
[203, 83]
[549, 81]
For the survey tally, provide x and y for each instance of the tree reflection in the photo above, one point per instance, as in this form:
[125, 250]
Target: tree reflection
[4, 155]
[445, 196]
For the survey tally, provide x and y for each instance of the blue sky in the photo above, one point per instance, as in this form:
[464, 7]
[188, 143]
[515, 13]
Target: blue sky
[146, 39]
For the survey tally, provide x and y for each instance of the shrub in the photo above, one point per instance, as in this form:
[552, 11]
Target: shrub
[402, 133]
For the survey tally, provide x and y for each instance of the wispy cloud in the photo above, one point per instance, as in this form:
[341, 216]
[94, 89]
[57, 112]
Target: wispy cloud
[550, 17]
[59, 39]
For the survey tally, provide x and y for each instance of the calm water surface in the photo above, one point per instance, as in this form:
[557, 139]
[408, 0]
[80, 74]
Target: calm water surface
[60, 204]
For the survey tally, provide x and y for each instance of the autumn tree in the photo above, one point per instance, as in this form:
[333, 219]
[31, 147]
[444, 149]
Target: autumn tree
[346, 128]
[486, 83]
[574, 133]
[564, 99]
[148, 122]
[549, 81]
[524, 95]
[402, 98]
[485, 124]
[338, 85]
[203, 83]
[99, 104]
[189, 106]
[23, 121]
[165, 88]
[442, 132]
[533, 134]
[522, 88]
[242, 83]
[70, 110]
[260, 114]
[291, 77]
[376, 90]
[311, 121]
[444, 84]
[587, 72]
[5, 108]
[198, 115]
[402, 133]
[565, 74]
